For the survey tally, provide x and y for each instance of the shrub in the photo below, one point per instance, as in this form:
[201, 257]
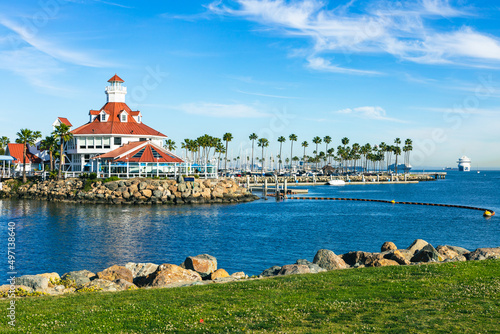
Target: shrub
[110, 179]
[88, 185]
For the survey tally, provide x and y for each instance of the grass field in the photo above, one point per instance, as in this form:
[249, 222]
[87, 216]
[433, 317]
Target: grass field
[460, 297]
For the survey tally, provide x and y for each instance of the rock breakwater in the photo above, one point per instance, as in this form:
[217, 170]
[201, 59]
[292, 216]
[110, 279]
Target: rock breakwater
[130, 191]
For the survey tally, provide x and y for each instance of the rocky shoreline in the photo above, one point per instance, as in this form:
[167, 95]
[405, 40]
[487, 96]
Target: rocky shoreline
[130, 191]
[202, 269]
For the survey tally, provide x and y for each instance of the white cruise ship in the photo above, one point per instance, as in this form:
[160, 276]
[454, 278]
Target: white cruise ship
[464, 164]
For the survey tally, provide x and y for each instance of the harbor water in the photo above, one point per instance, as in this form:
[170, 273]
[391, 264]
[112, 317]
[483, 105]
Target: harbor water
[250, 237]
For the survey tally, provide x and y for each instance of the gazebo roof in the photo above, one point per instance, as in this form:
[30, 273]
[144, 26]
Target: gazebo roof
[138, 151]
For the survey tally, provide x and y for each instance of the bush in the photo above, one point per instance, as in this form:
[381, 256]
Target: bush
[88, 185]
[91, 176]
[53, 174]
[110, 179]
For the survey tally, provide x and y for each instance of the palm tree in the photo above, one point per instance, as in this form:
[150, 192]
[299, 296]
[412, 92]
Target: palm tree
[397, 151]
[263, 142]
[365, 150]
[170, 145]
[49, 144]
[227, 137]
[252, 137]
[329, 154]
[407, 149]
[304, 145]
[62, 132]
[292, 138]
[384, 148]
[317, 141]
[355, 154]
[26, 137]
[4, 141]
[281, 140]
[185, 146]
[220, 149]
[327, 140]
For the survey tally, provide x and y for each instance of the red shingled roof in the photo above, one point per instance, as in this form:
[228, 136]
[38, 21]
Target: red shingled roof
[16, 150]
[65, 121]
[140, 151]
[116, 78]
[121, 150]
[113, 125]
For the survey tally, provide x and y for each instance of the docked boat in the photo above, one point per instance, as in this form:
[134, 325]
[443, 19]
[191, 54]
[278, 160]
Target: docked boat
[336, 183]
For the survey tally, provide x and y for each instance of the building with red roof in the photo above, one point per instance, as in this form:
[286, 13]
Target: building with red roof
[108, 129]
[61, 120]
[16, 151]
[138, 158]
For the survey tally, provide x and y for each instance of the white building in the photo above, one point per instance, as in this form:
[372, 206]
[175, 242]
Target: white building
[464, 164]
[109, 128]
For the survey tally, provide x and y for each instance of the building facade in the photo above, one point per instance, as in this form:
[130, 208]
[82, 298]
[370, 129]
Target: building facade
[108, 128]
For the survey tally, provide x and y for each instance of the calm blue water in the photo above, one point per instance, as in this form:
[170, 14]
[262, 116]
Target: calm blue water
[251, 237]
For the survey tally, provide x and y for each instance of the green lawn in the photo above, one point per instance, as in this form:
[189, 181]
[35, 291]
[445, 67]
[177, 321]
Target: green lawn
[461, 297]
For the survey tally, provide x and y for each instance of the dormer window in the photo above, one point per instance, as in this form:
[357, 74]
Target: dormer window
[123, 116]
[103, 117]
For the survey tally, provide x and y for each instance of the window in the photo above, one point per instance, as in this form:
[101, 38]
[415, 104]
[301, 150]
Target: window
[143, 139]
[81, 143]
[155, 153]
[139, 154]
[124, 117]
[98, 142]
[103, 117]
[90, 142]
[118, 141]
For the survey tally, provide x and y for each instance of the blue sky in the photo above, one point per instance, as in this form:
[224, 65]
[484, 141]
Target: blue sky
[371, 71]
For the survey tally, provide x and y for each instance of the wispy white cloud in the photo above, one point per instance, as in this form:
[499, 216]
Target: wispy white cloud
[187, 17]
[370, 112]
[51, 49]
[222, 110]
[403, 29]
[321, 64]
[114, 4]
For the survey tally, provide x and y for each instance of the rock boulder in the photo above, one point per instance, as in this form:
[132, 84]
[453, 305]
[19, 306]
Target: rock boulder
[293, 269]
[387, 246]
[313, 267]
[141, 269]
[203, 264]
[327, 259]
[35, 282]
[417, 245]
[273, 271]
[219, 273]
[483, 254]
[168, 274]
[427, 254]
[116, 272]
[79, 277]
